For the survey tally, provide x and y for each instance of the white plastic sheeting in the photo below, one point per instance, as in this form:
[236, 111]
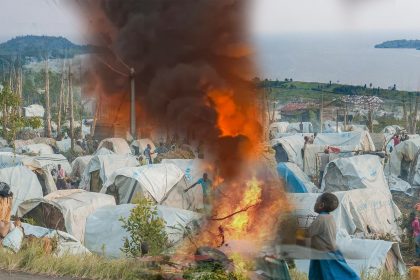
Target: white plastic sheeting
[362, 255]
[358, 172]
[359, 140]
[362, 212]
[295, 128]
[79, 165]
[47, 162]
[74, 205]
[193, 170]
[106, 164]
[398, 185]
[23, 183]
[34, 110]
[278, 128]
[38, 149]
[164, 183]
[407, 150]
[64, 145]
[293, 146]
[104, 233]
[66, 245]
[10, 159]
[117, 145]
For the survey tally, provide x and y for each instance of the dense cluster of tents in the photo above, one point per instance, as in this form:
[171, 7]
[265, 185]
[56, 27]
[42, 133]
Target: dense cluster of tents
[85, 218]
[362, 173]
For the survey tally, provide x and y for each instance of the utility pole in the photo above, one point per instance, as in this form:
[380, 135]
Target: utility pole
[321, 113]
[71, 109]
[133, 104]
[47, 100]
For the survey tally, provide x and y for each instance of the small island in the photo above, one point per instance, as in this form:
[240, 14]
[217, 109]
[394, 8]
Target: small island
[399, 44]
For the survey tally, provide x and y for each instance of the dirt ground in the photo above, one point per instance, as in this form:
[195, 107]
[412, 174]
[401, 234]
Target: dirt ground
[406, 204]
[7, 275]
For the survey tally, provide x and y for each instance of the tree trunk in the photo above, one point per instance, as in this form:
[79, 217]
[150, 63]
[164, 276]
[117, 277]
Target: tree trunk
[405, 115]
[60, 100]
[47, 123]
[414, 118]
[71, 109]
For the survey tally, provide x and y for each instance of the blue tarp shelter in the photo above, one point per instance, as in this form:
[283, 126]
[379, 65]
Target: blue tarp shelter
[295, 179]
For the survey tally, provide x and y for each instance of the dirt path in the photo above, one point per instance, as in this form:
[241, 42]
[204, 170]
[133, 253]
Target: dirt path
[6, 275]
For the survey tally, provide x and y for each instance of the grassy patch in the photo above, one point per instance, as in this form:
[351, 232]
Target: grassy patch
[33, 259]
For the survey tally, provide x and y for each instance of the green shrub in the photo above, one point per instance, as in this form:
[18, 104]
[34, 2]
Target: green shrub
[146, 230]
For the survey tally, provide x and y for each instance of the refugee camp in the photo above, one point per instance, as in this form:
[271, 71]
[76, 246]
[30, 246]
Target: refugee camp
[209, 140]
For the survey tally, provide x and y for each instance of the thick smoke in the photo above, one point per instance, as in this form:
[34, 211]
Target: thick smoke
[192, 69]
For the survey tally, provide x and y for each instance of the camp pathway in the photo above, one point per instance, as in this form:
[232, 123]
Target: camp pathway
[7, 275]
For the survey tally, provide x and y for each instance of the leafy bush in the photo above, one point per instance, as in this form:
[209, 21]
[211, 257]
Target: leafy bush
[146, 229]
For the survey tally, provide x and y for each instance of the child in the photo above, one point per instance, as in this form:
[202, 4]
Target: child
[323, 238]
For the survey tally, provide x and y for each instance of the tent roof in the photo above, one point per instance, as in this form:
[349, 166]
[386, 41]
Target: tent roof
[104, 232]
[157, 179]
[358, 172]
[75, 205]
[293, 145]
[23, 183]
[358, 140]
[295, 179]
[46, 161]
[118, 145]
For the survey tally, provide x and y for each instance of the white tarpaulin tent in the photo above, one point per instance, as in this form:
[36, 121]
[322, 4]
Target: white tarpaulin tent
[35, 149]
[295, 128]
[291, 146]
[141, 144]
[362, 255]
[64, 145]
[358, 172]
[79, 165]
[406, 151]
[359, 140]
[10, 159]
[65, 210]
[164, 183]
[278, 128]
[23, 183]
[117, 145]
[100, 167]
[34, 110]
[48, 162]
[193, 170]
[104, 233]
[364, 212]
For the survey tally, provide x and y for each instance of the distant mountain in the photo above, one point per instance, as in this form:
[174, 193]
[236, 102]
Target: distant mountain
[400, 44]
[39, 46]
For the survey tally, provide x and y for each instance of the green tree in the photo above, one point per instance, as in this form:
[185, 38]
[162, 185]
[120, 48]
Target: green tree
[11, 122]
[146, 230]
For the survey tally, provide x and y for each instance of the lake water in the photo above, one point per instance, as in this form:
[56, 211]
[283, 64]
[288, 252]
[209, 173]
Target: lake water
[347, 58]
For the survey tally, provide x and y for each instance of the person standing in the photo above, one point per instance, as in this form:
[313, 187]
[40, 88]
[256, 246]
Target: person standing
[415, 227]
[61, 175]
[148, 154]
[206, 185]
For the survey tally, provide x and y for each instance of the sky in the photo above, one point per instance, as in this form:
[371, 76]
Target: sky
[288, 16]
[54, 17]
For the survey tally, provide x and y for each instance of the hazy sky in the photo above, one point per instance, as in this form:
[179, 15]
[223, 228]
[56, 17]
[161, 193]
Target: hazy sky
[38, 17]
[53, 17]
[278, 16]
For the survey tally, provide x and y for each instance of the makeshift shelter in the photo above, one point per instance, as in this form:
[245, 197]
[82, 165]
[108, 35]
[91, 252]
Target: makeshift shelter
[358, 172]
[104, 233]
[358, 141]
[295, 180]
[34, 110]
[79, 165]
[10, 159]
[402, 158]
[361, 212]
[23, 184]
[64, 145]
[35, 149]
[163, 183]
[278, 128]
[140, 145]
[117, 145]
[289, 149]
[65, 210]
[362, 255]
[193, 170]
[100, 167]
[295, 128]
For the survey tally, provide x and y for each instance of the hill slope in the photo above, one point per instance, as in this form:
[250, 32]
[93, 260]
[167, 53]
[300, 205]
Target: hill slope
[39, 46]
[399, 44]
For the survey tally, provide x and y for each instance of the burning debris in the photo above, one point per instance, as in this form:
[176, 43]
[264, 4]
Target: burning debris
[192, 78]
